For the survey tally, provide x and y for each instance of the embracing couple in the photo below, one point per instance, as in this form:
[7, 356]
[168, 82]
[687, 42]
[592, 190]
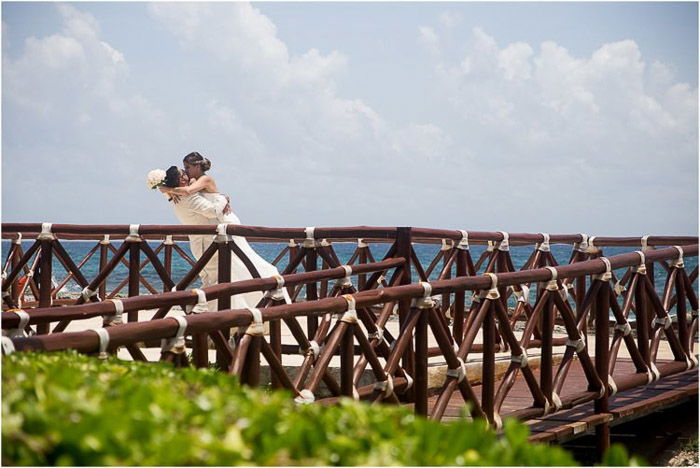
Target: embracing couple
[195, 199]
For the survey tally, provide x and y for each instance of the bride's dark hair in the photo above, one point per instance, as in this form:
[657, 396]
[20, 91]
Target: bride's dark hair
[172, 177]
[197, 159]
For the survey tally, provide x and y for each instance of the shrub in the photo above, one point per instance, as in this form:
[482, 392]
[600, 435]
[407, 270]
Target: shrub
[69, 409]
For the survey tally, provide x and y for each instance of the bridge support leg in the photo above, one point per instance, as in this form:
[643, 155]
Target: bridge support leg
[602, 338]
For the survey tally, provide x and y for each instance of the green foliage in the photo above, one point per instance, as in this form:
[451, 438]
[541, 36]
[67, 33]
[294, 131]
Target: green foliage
[68, 409]
[617, 456]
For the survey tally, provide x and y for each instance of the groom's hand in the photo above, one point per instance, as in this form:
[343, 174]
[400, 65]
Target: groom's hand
[175, 198]
[227, 208]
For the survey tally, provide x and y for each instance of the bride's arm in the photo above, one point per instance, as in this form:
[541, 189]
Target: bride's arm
[203, 183]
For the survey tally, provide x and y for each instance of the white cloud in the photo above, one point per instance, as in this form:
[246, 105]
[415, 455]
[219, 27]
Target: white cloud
[428, 39]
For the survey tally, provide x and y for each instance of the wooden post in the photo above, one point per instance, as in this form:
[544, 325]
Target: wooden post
[458, 318]
[421, 363]
[134, 263]
[347, 361]
[168, 257]
[104, 249]
[488, 368]
[311, 290]
[224, 302]
[601, 309]
[403, 249]
[45, 265]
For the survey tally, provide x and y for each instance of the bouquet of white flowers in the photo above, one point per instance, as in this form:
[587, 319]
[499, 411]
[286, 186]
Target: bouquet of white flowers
[155, 178]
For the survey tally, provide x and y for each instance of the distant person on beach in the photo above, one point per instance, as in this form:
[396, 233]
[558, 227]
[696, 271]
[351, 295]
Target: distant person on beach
[193, 188]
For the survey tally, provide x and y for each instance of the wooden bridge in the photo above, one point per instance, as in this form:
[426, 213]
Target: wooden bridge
[553, 345]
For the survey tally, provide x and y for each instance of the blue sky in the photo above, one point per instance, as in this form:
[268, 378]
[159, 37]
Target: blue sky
[484, 116]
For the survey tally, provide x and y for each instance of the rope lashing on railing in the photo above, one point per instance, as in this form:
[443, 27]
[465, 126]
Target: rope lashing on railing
[459, 372]
[105, 239]
[133, 233]
[314, 348]
[23, 321]
[201, 305]
[523, 295]
[552, 283]
[310, 241]
[665, 322]
[493, 293]
[221, 235]
[116, 317]
[45, 234]
[624, 328]
[578, 345]
[378, 335]
[464, 241]
[385, 386]
[256, 326]
[87, 293]
[17, 240]
[591, 245]
[544, 245]
[361, 244]
[520, 359]
[583, 245]
[8, 347]
[176, 344]
[168, 240]
[278, 293]
[678, 263]
[607, 274]
[612, 385]
[645, 243]
[305, 397]
[345, 282]
[425, 302]
[103, 336]
[642, 267]
[292, 243]
[350, 316]
[503, 245]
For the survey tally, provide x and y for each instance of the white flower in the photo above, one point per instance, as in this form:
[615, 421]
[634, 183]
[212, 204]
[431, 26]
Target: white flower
[155, 178]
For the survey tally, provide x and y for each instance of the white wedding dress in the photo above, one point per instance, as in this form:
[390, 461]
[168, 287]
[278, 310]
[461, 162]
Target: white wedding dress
[238, 269]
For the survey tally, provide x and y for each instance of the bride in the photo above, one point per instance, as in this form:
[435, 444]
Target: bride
[201, 184]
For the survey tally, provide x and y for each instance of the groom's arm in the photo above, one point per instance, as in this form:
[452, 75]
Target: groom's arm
[202, 206]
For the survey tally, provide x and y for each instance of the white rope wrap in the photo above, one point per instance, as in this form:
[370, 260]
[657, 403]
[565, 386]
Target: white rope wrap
[523, 295]
[314, 347]
[645, 243]
[256, 326]
[8, 347]
[624, 328]
[105, 240]
[612, 384]
[310, 241]
[380, 279]
[556, 401]
[409, 379]
[385, 386]
[446, 244]
[168, 240]
[642, 267]
[583, 245]
[552, 283]
[544, 245]
[45, 234]
[591, 246]
[489, 246]
[522, 359]
[607, 274]
[201, 305]
[655, 371]
[221, 235]
[292, 244]
[361, 243]
[650, 376]
[578, 345]
[663, 321]
[23, 321]
[678, 263]
[493, 293]
[350, 316]
[345, 282]
[103, 335]
[277, 294]
[176, 344]
[133, 233]
[503, 245]
[18, 239]
[497, 421]
[458, 372]
[116, 317]
[305, 397]
[564, 292]
[425, 302]
[464, 241]
[378, 335]
[87, 293]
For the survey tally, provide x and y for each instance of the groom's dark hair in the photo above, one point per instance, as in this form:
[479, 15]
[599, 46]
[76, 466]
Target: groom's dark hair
[172, 177]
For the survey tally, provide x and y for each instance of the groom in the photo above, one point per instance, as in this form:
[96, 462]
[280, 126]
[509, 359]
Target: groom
[195, 209]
